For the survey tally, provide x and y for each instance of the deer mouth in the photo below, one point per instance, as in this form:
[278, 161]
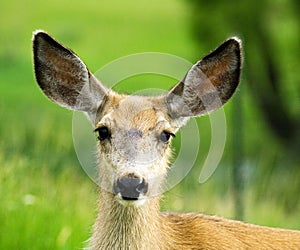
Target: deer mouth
[129, 201]
[129, 198]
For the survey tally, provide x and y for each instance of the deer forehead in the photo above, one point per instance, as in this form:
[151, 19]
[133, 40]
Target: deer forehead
[135, 113]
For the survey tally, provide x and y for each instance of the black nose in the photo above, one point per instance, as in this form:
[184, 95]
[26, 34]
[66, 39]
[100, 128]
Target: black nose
[130, 187]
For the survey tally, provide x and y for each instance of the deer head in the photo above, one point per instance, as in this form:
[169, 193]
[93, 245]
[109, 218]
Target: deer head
[134, 132]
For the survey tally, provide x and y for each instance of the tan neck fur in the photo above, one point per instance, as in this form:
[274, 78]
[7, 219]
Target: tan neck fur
[145, 227]
[120, 227]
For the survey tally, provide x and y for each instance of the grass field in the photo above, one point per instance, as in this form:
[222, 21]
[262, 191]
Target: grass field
[47, 201]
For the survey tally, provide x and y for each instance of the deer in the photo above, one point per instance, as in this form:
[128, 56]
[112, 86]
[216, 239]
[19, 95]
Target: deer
[134, 135]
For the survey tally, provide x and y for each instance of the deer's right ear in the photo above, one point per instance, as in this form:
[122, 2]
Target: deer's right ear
[63, 77]
[209, 83]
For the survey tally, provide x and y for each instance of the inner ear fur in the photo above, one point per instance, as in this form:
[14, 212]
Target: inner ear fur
[63, 77]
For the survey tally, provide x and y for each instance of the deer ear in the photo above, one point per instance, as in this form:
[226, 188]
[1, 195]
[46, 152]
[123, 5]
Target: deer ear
[209, 83]
[63, 77]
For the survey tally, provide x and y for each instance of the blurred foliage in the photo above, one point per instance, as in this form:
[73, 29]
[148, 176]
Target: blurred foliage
[47, 202]
[271, 40]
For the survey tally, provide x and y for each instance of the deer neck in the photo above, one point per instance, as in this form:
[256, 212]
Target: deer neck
[123, 227]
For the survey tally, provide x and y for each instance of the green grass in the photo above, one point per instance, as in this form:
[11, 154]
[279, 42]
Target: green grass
[47, 201]
[40, 211]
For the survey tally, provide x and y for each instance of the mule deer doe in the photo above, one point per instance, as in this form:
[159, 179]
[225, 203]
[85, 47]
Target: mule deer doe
[134, 134]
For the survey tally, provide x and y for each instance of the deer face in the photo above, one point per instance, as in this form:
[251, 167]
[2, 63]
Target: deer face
[134, 132]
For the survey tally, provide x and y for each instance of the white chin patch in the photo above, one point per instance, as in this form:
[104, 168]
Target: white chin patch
[131, 203]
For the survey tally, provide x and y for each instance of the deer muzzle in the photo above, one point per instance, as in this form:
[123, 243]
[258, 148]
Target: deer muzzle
[130, 187]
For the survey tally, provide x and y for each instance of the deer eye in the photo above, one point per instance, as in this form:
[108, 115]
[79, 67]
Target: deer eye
[103, 133]
[165, 136]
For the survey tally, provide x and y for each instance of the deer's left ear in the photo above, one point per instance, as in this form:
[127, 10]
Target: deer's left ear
[209, 83]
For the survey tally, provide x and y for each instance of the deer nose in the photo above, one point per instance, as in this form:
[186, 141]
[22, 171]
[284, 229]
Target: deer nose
[130, 187]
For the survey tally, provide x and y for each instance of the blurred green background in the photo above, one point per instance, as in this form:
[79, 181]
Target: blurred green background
[48, 202]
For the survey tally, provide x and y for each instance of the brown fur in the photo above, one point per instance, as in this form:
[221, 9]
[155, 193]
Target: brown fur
[145, 120]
